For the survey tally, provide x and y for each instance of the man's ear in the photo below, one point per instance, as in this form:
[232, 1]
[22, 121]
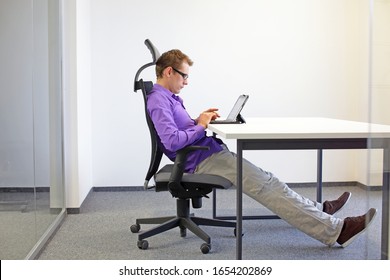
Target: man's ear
[168, 71]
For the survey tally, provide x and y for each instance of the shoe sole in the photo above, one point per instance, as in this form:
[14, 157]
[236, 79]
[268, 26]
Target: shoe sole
[371, 215]
[345, 203]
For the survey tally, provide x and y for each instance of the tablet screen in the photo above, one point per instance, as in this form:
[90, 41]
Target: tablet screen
[237, 107]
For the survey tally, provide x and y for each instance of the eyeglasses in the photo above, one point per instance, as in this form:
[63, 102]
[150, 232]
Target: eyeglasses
[185, 76]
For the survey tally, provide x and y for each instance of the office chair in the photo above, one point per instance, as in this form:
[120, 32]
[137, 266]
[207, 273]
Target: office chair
[171, 177]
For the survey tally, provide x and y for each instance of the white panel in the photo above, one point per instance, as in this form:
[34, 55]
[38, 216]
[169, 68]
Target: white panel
[16, 103]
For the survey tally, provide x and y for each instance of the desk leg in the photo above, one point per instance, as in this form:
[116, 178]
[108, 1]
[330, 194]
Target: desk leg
[239, 202]
[385, 204]
[214, 209]
[319, 175]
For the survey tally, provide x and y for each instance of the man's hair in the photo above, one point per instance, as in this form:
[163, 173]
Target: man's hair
[173, 58]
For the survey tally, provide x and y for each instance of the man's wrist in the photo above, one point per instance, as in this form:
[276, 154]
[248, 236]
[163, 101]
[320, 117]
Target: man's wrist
[203, 125]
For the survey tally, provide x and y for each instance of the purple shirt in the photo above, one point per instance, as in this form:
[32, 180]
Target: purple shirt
[177, 129]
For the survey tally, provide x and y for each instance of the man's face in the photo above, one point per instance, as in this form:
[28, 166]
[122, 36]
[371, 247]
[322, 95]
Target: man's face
[179, 77]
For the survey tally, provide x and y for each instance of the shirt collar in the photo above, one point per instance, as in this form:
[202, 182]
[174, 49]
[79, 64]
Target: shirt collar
[169, 93]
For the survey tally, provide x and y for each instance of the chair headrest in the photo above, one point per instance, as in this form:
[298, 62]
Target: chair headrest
[153, 50]
[155, 55]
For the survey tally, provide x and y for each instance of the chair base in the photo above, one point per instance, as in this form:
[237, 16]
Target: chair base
[184, 220]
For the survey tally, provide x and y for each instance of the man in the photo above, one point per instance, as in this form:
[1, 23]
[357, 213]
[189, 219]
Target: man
[176, 130]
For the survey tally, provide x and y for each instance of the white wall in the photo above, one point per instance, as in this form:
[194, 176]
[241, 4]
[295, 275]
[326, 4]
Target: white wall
[77, 101]
[294, 58]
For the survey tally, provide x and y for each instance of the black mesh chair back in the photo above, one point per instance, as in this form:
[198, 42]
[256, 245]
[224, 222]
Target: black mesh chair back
[156, 153]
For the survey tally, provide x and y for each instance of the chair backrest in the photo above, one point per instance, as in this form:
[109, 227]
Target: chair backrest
[156, 153]
[146, 87]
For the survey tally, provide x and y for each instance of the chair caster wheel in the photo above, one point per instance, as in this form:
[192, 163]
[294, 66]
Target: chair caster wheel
[142, 244]
[205, 248]
[183, 232]
[135, 228]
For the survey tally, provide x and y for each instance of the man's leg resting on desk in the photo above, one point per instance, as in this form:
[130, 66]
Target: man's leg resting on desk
[311, 217]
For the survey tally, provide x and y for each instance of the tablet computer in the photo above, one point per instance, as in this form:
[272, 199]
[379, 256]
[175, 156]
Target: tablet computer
[234, 115]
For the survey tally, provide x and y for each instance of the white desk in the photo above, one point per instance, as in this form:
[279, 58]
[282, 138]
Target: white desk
[308, 134]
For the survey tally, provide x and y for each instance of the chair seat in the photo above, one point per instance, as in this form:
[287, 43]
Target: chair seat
[191, 181]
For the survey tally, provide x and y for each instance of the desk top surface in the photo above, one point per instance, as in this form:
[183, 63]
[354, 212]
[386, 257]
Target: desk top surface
[300, 128]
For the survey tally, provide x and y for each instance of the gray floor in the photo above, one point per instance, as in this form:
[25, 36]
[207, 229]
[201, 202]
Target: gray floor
[101, 230]
[24, 217]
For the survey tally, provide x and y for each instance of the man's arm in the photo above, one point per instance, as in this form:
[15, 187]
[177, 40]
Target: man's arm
[207, 116]
[172, 137]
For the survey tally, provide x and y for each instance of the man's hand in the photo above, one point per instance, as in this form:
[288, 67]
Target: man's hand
[207, 116]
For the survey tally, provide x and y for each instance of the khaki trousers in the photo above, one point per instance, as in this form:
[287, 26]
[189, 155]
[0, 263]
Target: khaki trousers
[300, 212]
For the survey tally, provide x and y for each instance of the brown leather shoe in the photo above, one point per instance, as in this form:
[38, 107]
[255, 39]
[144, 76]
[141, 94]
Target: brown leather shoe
[354, 226]
[334, 206]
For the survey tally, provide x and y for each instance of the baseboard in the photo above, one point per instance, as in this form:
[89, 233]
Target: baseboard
[73, 210]
[324, 184]
[336, 184]
[117, 189]
[23, 189]
[78, 210]
[368, 188]
[21, 205]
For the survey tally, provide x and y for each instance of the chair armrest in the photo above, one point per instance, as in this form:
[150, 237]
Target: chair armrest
[174, 184]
